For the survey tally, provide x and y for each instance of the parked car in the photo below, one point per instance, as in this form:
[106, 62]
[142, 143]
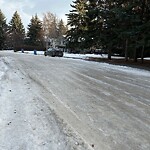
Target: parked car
[53, 52]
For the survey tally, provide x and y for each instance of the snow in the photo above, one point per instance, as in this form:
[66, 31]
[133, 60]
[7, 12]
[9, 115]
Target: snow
[86, 56]
[32, 52]
[147, 58]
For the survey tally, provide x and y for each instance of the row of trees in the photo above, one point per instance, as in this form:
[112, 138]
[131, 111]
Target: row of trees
[13, 34]
[116, 26]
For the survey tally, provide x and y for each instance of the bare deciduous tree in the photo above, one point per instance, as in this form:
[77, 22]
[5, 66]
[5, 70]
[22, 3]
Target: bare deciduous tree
[50, 22]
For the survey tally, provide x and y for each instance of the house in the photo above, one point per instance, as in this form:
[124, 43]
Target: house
[56, 42]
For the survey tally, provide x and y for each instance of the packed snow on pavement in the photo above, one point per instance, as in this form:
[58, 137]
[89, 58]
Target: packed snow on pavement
[72, 104]
[26, 121]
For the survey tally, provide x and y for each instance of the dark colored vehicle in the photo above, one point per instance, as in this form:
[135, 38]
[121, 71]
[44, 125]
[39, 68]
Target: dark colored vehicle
[53, 52]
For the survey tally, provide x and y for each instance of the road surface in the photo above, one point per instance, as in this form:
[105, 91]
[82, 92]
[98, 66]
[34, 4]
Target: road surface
[66, 104]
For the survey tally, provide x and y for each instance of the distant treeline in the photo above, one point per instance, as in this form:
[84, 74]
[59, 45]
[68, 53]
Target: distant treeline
[38, 34]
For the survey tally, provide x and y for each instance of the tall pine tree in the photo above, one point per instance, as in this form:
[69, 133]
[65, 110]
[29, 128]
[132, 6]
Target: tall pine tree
[94, 22]
[17, 31]
[34, 33]
[77, 23]
[2, 29]
[118, 26]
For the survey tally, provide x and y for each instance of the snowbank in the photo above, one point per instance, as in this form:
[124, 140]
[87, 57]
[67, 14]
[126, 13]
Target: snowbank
[86, 56]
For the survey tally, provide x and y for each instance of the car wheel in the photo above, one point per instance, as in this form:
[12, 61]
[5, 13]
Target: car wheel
[60, 54]
[45, 54]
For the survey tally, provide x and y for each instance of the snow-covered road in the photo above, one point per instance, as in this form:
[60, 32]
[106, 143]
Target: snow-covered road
[64, 104]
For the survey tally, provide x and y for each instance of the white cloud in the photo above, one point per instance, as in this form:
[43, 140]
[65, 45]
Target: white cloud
[28, 8]
[9, 8]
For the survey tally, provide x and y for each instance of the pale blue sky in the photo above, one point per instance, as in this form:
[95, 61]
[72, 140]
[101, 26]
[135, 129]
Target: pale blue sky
[27, 8]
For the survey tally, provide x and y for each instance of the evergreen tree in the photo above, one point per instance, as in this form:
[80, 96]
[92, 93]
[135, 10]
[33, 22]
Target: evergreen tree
[77, 22]
[118, 26]
[108, 37]
[131, 26]
[17, 31]
[34, 33]
[2, 29]
[143, 10]
[122, 26]
[124, 29]
[94, 24]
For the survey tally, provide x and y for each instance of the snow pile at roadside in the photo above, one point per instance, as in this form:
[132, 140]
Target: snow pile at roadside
[147, 58]
[32, 52]
[86, 56]
[83, 56]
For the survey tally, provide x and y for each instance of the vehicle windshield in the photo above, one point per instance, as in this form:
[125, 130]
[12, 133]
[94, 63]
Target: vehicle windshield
[49, 49]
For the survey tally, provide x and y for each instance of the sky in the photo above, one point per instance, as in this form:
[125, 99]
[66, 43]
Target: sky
[28, 8]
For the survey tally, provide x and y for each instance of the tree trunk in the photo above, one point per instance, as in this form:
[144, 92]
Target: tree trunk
[126, 50]
[135, 52]
[109, 54]
[142, 54]
[135, 55]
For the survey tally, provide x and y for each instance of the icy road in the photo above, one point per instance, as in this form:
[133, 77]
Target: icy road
[68, 104]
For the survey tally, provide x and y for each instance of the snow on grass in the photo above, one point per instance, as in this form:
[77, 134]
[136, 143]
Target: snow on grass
[83, 56]
[86, 56]
[32, 52]
[147, 58]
